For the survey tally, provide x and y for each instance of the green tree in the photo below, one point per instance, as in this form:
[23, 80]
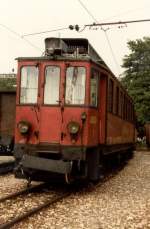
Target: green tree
[7, 84]
[136, 77]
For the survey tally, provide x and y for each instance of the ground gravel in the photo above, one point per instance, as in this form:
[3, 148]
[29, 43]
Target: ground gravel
[9, 184]
[122, 202]
[13, 208]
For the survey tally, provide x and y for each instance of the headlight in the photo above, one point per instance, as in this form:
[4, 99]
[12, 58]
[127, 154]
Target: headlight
[73, 127]
[23, 127]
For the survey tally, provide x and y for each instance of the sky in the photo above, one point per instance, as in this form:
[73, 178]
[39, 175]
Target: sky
[20, 17]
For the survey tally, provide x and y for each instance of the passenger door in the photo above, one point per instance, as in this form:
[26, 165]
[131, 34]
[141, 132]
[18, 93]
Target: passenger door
[50, 111]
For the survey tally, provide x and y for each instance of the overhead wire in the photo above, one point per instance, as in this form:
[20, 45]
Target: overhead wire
[48, 31]
[112, 52]
[91, 15]
[19, 36]
[117, 23]
[96, 23]
[126, 12]
[105, 32]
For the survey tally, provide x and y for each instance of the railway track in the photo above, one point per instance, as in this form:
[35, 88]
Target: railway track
[6, 167]
[48, 200]
[22, 192]
[5, 204]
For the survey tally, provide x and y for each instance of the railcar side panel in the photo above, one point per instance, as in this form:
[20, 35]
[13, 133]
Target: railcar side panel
[102, 109]
[119, 131]
[93, 127]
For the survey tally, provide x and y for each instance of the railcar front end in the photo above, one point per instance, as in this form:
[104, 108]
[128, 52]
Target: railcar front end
[56, 113]
[71, 112]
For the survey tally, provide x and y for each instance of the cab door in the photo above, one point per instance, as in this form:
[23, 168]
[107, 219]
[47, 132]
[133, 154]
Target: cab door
[50, 111]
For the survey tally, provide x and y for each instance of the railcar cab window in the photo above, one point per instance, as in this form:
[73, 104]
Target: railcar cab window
[94, 88]
[51, 86]
[110, 95]
[75, 85]
[29, 84]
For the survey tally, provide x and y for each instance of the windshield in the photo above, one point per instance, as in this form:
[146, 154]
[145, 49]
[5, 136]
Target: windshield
[51, 88]
[75, 85]
[29, 84]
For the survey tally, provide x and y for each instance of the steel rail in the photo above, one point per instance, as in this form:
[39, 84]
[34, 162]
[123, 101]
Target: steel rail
[6, 168]
[24, 191]
[33, 211]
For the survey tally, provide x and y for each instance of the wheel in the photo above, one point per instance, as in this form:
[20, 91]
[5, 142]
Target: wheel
[68, 178]
[28, 182]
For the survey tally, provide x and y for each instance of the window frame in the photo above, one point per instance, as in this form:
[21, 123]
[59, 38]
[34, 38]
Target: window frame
[110, 101]
[75, 105]
[44, 81]
[98, 87]
[117, 100]
[19, 94]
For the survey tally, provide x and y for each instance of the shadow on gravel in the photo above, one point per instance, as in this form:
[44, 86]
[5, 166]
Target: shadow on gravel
[111, 168]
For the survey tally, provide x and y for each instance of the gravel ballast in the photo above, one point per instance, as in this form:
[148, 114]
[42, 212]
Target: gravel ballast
[9, 185]
[122, 202]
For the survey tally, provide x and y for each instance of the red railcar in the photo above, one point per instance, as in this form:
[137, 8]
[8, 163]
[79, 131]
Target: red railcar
[70, 111]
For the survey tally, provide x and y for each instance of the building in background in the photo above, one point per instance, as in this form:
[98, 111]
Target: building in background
[7, 112]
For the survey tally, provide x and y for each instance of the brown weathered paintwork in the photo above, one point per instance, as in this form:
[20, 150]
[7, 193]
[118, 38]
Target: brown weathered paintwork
[119, 131]
[47, 120]
[101, 126]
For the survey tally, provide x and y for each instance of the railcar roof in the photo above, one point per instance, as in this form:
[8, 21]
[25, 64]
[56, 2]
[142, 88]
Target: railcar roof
[71, 49]
[61, 58]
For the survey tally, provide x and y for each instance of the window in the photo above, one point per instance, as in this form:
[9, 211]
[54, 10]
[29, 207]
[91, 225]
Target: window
[29, 84]
[128, 110]
[51, 87]
[121, 104]
[94, 88]
[75, 85]
[131, 109]
[117, 101]
[110, 95]
[124, 108]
